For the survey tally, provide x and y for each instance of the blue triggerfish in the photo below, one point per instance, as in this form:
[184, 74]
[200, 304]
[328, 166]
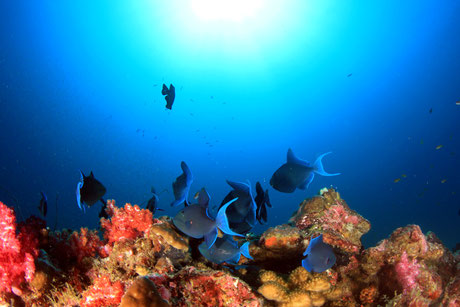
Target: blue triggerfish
[181, 186]
[242, 213]
[43, 207]
[225, 249]
[195, 221]
[170, 95]
[296, 173]
[320, 256]
[89, 191]
[152, 203]
[261, 200]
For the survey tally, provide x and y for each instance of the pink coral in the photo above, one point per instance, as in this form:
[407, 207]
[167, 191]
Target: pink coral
[103, 293]
[129, 222]
[17, 253]
[407, 272]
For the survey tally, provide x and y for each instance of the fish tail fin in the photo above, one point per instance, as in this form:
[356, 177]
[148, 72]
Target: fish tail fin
[306, 264]
[318, 166]
[245, 250]
[222, 221]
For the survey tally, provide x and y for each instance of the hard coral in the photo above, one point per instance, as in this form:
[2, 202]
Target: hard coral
[301, 288]
[129, 222]
[205, 287]
[330, 215]
[281, 244]
[102, 293]
[17, 254]
[142, 293]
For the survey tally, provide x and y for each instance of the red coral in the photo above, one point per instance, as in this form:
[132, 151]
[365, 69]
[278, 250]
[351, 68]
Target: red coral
[17, 253]
[103, 293]
[129, 222]
[85, 244]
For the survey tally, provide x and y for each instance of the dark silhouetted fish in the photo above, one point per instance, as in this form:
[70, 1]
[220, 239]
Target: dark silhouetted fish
[181, 186]
[320, 256]
[152, 203]
[262, 200]
[170, 95]
[43, 207]
[296, 173]
[225, 249]
[195, 220]
[242, 213]
[349, 75]
[431, 110]
[89, 191]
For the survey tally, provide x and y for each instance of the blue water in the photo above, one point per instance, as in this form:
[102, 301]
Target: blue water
[80, 88]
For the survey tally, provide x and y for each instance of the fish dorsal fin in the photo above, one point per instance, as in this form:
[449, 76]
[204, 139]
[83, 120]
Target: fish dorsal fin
[164, 90]
[312, 244]
[91, 174]
[152, 189]
[186, 170]
[291, 158]
[240, 186]
[203, 198]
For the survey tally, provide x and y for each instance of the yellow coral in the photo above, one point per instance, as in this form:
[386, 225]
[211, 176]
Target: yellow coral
[298, 299]
[273, 291]
[299, 276]
[318, 284]
[301, 288]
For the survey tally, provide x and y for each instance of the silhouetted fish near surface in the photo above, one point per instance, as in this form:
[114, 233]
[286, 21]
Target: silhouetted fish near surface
[170, 95]
[195, 220]
[89, 191]
[262, 200]
[225, 249]
[297, 174]
[43, 207]
[349, 75]
[181, 186]
[152, 203]
[320, 256]
[242, 213]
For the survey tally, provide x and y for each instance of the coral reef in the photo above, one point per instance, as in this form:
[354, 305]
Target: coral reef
[330, 215]
[138, 260]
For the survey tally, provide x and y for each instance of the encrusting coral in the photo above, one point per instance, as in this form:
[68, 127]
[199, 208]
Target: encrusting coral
[138, 260]
[330, 215]
[300, 288]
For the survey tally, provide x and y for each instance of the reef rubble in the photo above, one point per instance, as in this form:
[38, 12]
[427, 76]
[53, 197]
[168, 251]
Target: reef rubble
[138, 260]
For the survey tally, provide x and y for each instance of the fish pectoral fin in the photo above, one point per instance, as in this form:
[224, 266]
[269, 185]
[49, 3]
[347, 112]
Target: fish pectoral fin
[211, 237]
[307, 181]
[244, 249]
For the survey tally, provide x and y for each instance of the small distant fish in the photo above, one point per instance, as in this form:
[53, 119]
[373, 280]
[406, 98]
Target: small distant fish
[196, 195]
[438, 147]
[320, 256]
[152, 203]
[297, 173]
[43, 207]
[421, 141]
[458, 103]
[195, 221]
[262, 199]
[170, 95]
[181, 185]
[431, 110]
[225, 249]
[89, 191]
[404, 175]
[397, 180]
[349, 75]
[444, 181]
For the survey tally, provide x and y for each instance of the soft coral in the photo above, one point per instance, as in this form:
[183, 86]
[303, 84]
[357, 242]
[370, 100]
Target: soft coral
[17, 253]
